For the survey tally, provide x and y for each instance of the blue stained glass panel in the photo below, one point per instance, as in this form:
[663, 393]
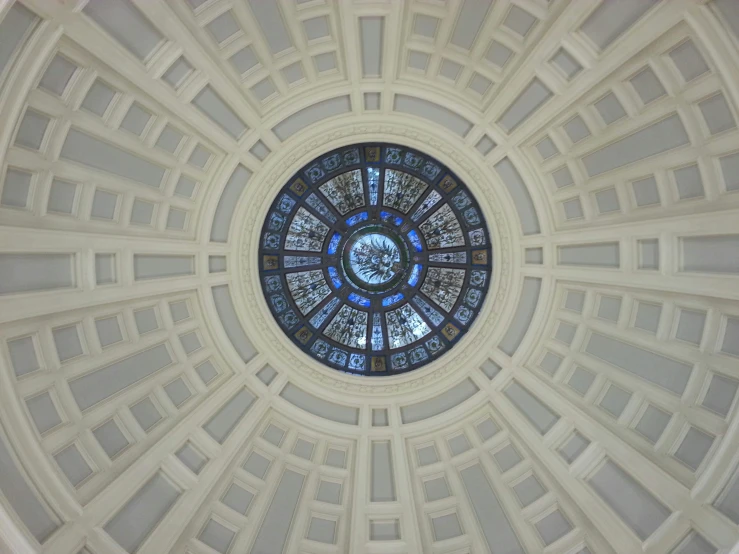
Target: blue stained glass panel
[356, 218]
[394, 299]
[415, 241]
[356, 362]
[391, 218]
[335, 279]
[334, 244]
[415, 274]
[358, 299]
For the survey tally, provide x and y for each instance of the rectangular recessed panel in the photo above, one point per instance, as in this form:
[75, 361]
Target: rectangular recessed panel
[98, 98]
[436, 113]
[160, 266]
[730, 14]
[382, 486]
[43, 412]
[19, 492]
[237, 498]
[529, 490]
[446, 527]
[647, 85]
[694, 544]
[206, 371]
[27, 272]
[538, 413]
[385, 530]
[610, 109]
[652, 140]
[717, 114]
[553, 527]
[581, 380]
[379, 417]
[469, 22]
[231, 324]
[178, 392]
[57, 75]
[329, 492]
[322, 530]
[225, 420]
[103, 383]
[649, 254]
[439, 404]
[276, 524]
[491, 516]
[73, 465]
[604, 254]
[131, 526]
[213, 106]
[270, 20]
[728, 501]
[507, 458]
[720, 394]
[16, 189]
[652, 423]
[615, 400]
[146, 320]
[694, 447]
[622, 493]
[521, 197]
[522, 317]
[689, 60]
[227, 203]
[111, 438]
[266, 375]
[528, 101]
[310, 115]
[14, 27]
[136, 119]
[664, 372]
[611, 19]
[575, 446]
[82, 148]
[710, 254]
[534, 256]
[61, 197]
[427, 455]
[32, 130]
[125, 23]
[23, 356]
[319, 406]
[216, 536]
[371, 32]
[67, 342]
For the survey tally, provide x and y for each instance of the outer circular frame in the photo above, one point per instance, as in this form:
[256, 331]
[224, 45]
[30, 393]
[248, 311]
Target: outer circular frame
[371, 330]
[253, 311]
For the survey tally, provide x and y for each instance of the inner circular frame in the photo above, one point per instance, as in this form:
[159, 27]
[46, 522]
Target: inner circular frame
[363, 280]
[426, 312]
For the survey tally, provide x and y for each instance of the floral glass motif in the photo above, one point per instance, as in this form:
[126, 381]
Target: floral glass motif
[442, 229]
[375, 259]
[405, 326]
[345, 191]
[401, 190]
[348, 327]
[443, 285]
[306, 232]
[308, 288]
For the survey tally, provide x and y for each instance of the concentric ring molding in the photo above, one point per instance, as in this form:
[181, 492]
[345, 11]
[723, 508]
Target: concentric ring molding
[260, 193]
[702, 500]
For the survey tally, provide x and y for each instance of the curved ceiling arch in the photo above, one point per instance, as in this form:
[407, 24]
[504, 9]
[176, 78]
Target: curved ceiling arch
[148, 404]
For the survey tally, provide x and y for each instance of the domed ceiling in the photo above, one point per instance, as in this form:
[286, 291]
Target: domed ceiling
[152, 400]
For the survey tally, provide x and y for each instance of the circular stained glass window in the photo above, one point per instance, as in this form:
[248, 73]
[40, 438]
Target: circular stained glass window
[375, 259]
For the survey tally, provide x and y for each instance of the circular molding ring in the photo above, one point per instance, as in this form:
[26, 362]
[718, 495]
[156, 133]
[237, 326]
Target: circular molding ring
[256, 318]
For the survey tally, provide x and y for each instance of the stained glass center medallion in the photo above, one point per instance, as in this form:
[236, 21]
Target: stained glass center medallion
[375, 259]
